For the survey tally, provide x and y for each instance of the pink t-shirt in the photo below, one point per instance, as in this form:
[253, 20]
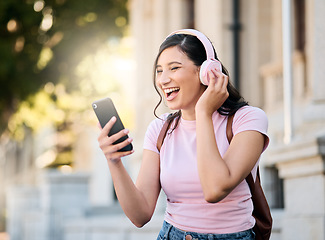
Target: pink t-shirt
[186, 206]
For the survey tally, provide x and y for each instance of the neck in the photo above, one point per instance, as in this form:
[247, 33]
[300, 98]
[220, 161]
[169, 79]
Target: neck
[188, 115]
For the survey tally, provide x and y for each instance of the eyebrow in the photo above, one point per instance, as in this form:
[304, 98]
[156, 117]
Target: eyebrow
[174, 62]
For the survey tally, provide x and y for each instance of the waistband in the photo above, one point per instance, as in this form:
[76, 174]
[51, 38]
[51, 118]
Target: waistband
[169, 232]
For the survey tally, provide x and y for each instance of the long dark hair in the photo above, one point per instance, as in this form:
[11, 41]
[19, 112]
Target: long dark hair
[195, 51]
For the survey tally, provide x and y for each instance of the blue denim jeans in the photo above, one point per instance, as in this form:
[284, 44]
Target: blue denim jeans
[169, 232]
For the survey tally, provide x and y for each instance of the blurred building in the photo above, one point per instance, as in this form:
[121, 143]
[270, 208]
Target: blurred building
[248, 38]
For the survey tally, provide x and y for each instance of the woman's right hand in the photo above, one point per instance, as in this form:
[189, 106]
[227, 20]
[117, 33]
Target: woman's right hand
[215, 95]
[106, 143]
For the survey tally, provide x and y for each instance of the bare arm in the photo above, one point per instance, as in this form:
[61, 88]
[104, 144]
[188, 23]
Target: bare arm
[138, 201]
[220, 175]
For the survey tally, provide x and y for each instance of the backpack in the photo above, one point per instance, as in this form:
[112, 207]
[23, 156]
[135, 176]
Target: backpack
[261, 211]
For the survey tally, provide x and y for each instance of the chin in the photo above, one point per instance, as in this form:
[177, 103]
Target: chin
[173, 107]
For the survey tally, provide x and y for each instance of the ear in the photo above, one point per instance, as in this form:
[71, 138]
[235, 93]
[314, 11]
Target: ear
[198, 71]
[199, 68]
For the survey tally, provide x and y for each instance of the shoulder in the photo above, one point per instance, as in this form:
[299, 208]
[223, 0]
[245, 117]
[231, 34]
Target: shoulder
[156, 125]
[153, 131]
[250, 113]
[250, 118]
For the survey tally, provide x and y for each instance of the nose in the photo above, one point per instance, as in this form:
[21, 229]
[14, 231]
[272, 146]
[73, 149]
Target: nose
[163, 78]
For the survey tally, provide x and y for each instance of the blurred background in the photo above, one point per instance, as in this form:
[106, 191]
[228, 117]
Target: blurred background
[58, 56]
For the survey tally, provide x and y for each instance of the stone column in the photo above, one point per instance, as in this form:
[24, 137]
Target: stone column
[22, 202]
[213, 18]
[63, 197]
[315, 32]
[301, 165]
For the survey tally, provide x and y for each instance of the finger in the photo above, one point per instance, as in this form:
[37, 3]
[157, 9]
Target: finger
[119, 146]
[112, 151]
[225, 84]
[108, 127]
[212, 78]
[119, 155]
[118, 135]
[220, 78]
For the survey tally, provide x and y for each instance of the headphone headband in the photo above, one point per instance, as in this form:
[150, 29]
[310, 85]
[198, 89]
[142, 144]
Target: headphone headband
[205, 41]
[210, 62]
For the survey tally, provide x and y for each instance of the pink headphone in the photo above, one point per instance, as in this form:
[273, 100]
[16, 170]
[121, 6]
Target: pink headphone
[211, 62]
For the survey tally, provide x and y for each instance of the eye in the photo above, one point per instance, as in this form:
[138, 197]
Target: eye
[174, 68]
[158, 71]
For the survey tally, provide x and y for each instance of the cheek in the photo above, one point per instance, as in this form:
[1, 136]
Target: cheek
[159, 88]
[195, 81]
[196, 78]
[157, 83]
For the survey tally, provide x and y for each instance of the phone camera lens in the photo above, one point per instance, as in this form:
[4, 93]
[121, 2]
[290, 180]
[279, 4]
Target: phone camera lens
[94, 106]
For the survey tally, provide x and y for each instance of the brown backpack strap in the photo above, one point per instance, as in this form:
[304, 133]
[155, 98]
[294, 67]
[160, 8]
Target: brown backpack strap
[251, 182]
[261, 211]
[163, 132]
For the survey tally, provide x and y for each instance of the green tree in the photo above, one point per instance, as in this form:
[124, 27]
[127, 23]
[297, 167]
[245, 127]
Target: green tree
[44, 41]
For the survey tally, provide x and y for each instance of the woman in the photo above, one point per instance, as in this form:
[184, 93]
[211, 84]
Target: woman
[200, 166]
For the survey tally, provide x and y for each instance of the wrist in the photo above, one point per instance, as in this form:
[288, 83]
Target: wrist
[116, 163]
[203, 114]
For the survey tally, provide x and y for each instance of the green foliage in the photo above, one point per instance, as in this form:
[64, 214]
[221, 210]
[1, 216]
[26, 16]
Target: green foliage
[51, 108]
[45, 43]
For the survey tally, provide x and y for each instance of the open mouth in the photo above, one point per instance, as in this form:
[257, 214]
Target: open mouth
[171, 93]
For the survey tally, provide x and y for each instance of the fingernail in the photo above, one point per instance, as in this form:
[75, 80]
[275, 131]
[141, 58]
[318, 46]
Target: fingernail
[130, 139]
[113, 118]
[128, 153]
[126, 131]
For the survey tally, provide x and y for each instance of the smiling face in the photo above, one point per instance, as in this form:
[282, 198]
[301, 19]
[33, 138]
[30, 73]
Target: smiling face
[178, 78]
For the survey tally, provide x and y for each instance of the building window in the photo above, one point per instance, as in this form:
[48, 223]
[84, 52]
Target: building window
[273, 188]
[299, 21]
[190, 4]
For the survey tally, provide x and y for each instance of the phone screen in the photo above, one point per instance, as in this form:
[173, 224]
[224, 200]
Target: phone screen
[105, 110]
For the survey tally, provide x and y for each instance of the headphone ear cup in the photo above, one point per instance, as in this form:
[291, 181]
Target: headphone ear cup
[206, 66]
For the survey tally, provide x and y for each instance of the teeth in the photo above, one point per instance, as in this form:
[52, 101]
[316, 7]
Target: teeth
[169, 90]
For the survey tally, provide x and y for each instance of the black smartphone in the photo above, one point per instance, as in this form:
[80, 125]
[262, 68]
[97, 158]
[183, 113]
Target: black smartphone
[105, 110]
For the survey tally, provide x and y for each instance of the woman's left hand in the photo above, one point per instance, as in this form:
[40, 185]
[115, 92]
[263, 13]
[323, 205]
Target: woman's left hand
[215, 95]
